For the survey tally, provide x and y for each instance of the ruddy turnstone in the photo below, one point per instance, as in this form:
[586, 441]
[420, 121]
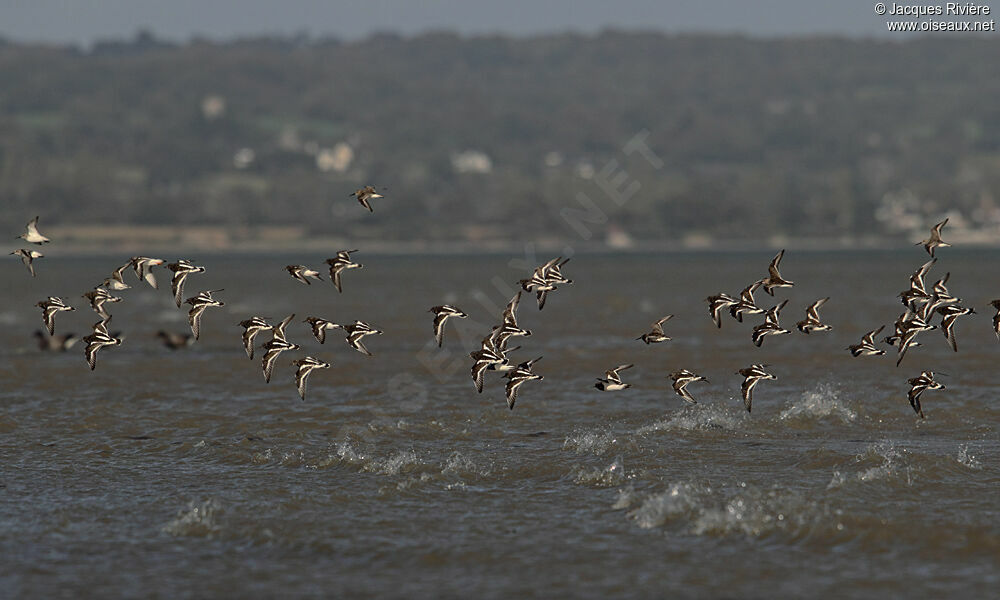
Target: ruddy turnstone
[300, 273]
[97, 340]
[97, 298]
[746, 304]
[31, 234]
[612, 381]
[681, 380]
[27, 257]
[949, 314]
[751, 376]
[51, 306]
[319, 327]
[918, 385]
[358, 330]
[143, 267]
[934, 241]
[198, 304]
[181, 269]
[365, 194]
[517, 377]
[116, 282]
[774, 278]
[274, 347]
[306, 366]
[251, 327]
[340, 263]
[770, 326]
[717, 304]
[812, 321]
[441, 315]
[867, 346]
[656, 335]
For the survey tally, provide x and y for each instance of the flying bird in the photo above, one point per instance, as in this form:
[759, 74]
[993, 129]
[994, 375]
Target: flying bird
[27, 257]
[867, 346]
[774, 278]
[612, 381]
[31, 234]
[51, 306]
[517, 377]
[717, 304]
[934, 241]
[918, 385]
[770, 326]
[681, 380]
[365, 194]
[340, 263]
[306, 366]
[301, 273]
[143, 267]
[656, 335]
[752, 376]
[812, 321]
[441, 315]
[181, 269]
[319, 327]
[356, 332]
[199, 304]
[251, 327]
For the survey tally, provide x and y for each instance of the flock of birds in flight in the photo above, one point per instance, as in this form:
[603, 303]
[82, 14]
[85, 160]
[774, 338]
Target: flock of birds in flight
[921, 303]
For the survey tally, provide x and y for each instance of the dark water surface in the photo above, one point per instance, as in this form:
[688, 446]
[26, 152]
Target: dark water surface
[182, 474]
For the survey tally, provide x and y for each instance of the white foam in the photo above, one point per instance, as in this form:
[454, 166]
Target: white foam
[968, 459]
[610, 475]
[595, 442]
[822, 402]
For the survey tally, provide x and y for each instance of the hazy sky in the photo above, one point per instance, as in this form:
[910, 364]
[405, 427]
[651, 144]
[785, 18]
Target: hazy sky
[83, 21]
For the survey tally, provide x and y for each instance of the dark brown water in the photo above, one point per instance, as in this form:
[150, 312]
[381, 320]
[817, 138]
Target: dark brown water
[181, 474]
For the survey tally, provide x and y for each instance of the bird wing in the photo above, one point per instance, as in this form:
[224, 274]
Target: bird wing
[747, 389]
[177, 283]
[268, 363]
[301, 375]
[772, 269]
[194, 319]
[248, 337]
[478, 372]
[355, 341]
[439, 320]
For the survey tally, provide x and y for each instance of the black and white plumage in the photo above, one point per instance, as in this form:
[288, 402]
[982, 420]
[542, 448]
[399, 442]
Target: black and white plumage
[746, 305]
[501, 333]
[97, 340]
[545, 279]
[867, 346]
[365, 194]
[319, 327]
[655, 334]
[31, 234]
[51, 306]
[274, 347]
[356, 332]
[302, 273]
[116, 282]
[752, 375]
[199, 304]
[175, 341]
[934, 241]
[717, 304]
[485, 357]
[98, 297]
[143, 267]
[612, 381]
[812, 321]
[27, 257]
[906, 341]
[681, 380]
[181, 269]
[306, 366]
[918, 385]
[949, 314]
[251, 327]
[341, 263]
[770, 326]
[918, 289]
[774, 278]
[441, 315]
[517, 377]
